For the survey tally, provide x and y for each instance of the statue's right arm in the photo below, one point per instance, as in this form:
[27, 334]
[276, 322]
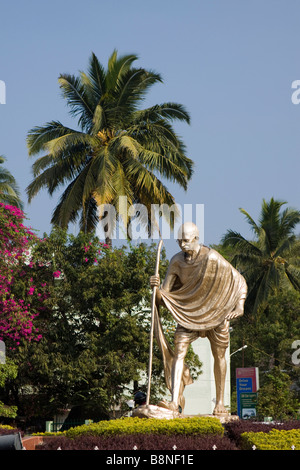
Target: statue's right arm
[167, 284]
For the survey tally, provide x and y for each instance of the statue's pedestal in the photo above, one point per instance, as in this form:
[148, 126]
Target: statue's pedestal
[158, 412]
[200, 396]
[153, 411]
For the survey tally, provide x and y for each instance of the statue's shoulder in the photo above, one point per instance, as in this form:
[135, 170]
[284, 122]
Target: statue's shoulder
[212, 252]
[178, 258]
[216, 256]
[206, 251]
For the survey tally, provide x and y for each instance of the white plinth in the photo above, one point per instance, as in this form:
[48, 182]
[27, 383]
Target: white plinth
[200, 397]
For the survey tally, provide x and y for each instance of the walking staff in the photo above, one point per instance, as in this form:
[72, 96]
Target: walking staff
[152, 323]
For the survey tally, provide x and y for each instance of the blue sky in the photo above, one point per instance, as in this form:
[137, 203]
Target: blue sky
[230, 62]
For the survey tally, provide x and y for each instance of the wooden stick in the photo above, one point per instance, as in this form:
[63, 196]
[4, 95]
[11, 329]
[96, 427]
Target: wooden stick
[152, 324]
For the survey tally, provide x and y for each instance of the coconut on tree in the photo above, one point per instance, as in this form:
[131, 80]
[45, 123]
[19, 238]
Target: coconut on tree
[118, 149]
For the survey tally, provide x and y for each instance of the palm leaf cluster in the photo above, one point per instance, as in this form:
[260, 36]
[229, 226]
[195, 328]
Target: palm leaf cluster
[9, 189]
[272, 260]
[118, 148]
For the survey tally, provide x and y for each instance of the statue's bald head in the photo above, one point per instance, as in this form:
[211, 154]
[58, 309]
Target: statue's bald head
[188, 231]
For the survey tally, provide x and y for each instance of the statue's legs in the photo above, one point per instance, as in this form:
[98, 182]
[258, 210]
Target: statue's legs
[180, 352]
[219, 342]
[220, 375]
[182, 340]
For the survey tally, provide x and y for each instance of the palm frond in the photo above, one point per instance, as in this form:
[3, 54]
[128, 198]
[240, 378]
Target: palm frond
[285, 246]
[170, 111]
[99, 120]
[94, 81]
[236, 240]
[293, 277]
[290, 218]
[65, 142]
[117, 67]
[39, 136]
[99, 177]
[70, 203]
[9, 189]
[73, 90]
[251, 222]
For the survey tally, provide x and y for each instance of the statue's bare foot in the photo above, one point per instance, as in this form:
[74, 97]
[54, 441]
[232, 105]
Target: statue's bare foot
[169, 405]
[220, 409]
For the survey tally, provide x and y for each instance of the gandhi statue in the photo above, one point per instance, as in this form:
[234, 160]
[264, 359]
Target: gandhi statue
[203, 292]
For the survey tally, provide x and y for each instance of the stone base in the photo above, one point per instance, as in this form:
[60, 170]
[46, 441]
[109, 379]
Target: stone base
[158, 412]
[153, 411]
[224, 417]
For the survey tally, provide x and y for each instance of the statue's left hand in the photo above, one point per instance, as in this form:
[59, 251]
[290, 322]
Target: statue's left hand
[234, 314]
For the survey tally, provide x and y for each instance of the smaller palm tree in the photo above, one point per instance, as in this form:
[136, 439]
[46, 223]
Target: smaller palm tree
[272, 260]
[9, 190]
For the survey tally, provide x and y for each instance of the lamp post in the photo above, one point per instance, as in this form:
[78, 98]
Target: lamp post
[240, 349]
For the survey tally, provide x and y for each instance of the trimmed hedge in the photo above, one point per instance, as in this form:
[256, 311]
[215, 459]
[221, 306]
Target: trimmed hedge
[139, 442]
[5, 429]
[203, 426]
[273, 440]
[235, 429]
[197, 433]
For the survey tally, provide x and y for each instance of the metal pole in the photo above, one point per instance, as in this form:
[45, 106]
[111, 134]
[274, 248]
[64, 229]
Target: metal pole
[152, 324]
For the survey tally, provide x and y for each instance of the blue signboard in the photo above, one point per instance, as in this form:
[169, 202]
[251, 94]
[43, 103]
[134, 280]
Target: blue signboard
[243, 385]
[247, 384]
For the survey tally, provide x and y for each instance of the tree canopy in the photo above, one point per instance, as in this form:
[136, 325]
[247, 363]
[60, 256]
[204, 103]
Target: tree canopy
[119, 150]
[272, 259]
[94, 349]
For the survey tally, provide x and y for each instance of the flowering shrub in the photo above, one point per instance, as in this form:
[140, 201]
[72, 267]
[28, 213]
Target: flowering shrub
[21, 296]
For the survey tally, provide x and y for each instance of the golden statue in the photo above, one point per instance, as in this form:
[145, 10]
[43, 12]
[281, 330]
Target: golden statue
[203, 292]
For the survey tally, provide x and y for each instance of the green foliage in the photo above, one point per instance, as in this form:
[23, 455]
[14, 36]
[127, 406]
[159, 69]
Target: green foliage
[9, 189]
[273, 440]
[8, 371]
[8, 411]
[269, 336]
[186, 426]
[276, 397]
[95, 328]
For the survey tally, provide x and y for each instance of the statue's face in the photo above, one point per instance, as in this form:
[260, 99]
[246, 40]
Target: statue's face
[189, 241]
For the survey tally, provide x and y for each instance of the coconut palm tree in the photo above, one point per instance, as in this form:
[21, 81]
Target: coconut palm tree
[118, 150]
[9, 189]
[272, 260]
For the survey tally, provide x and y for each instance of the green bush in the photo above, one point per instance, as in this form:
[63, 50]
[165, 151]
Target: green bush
[179, 426]
[273, 440]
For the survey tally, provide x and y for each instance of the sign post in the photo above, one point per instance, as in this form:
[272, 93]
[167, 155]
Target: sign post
[247, 385]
